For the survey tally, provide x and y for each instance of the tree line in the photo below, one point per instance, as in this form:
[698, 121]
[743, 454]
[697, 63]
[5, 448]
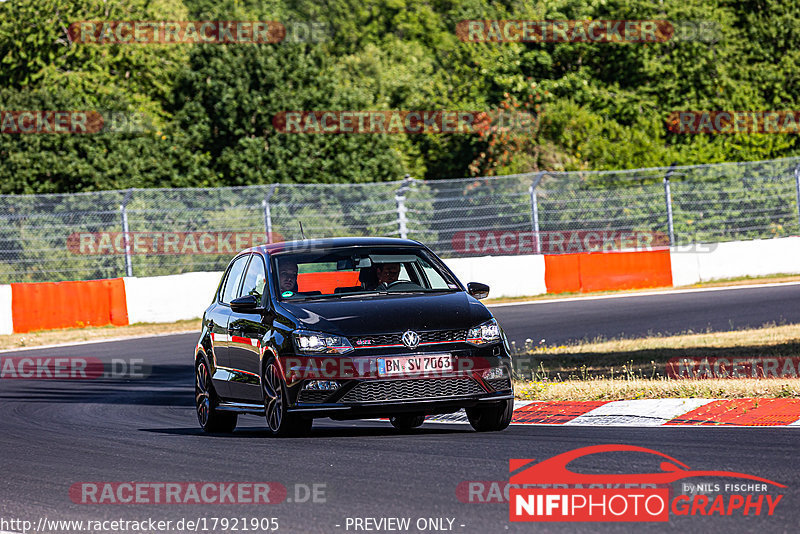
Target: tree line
[203, 114]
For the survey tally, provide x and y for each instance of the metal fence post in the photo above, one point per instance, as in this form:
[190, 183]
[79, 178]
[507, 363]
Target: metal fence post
[268, 212]
[125, 231]
[400, 199]
[668, 200]
[797, 190]
[535, 211]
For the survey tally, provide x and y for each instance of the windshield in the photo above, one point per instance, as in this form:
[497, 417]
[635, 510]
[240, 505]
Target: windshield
[358, 271]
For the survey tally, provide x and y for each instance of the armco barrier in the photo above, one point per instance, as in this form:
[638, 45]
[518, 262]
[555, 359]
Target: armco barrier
[600, 271]
[6, 325]
[760, 257]
[34, 306]
[507, 276]
[163, 299]
[50, 305]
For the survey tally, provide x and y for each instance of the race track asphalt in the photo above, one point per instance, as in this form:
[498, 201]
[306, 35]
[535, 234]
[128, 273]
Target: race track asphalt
[636, 316]
[56, 433]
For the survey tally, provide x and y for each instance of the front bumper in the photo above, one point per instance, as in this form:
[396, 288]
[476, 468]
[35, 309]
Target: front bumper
[362, 393]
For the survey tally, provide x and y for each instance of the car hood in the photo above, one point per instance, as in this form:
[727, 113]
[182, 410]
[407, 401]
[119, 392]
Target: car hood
[389, 313]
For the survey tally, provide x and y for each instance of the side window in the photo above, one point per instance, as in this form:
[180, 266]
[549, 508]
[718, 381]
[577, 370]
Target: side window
[234, 277]
[255, 280]
[403, 273]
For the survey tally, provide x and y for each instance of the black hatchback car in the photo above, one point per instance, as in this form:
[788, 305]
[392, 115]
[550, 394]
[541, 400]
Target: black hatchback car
[349, 328]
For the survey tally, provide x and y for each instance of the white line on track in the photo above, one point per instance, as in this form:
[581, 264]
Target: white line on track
[642, 294]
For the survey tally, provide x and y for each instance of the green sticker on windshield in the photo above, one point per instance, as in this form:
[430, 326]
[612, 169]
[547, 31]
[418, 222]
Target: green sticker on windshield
[287, 294]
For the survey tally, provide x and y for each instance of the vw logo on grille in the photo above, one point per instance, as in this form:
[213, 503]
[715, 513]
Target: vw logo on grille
[410, 339]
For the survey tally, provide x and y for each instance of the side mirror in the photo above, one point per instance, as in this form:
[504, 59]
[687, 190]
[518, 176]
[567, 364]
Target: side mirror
[246, 304]
[478, 290]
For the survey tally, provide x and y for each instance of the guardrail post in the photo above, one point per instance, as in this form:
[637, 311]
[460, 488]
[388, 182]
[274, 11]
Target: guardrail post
[268, 212]
[125, 231]
[668, 200]
[797, 190]
[400, 200]
[535, 211]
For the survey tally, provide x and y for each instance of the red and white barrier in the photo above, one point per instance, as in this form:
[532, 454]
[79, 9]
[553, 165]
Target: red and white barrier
[35, 306]
[6, 324]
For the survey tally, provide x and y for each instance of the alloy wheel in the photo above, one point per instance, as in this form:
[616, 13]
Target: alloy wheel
[273, 397]
[202, 394]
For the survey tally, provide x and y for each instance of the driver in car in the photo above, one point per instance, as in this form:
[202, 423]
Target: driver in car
[387, 272]
[287, 276]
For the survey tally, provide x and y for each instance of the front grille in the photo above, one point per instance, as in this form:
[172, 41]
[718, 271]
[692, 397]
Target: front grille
[442, 335]
[500, 384]
[313, 395]
[433, 388]
[380, 339]
[433, 336]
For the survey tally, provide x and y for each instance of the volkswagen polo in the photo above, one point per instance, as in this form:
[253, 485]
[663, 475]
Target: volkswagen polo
[349, 328]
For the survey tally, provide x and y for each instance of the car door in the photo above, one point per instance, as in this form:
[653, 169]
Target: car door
[246, 333]
[218, 318]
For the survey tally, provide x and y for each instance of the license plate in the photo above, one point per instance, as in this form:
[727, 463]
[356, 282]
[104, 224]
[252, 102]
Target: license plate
[415, 365]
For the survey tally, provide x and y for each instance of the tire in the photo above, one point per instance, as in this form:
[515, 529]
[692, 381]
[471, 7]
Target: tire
[406, 422]
[280, 423]
[491, 418]
[206, 401]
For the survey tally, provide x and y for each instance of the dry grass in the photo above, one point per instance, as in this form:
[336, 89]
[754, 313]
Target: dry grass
[72, 335]
[636, 368]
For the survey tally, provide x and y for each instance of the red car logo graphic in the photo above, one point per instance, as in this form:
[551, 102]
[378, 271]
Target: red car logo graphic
[554, 470]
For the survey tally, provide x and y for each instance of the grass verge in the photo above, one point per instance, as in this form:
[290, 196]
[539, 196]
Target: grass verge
[95, 333]
[661, 388]
[637, 368]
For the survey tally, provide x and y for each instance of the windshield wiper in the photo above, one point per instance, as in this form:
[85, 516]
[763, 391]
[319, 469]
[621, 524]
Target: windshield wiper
[361, 294]
[336, 295]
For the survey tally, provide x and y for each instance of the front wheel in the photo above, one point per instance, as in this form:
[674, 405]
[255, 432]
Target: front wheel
[206, 402]
[491, 418]
[407, 422]
[280, 423]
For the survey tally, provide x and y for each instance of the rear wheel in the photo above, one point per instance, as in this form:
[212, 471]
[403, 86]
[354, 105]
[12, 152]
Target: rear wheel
[279, 422]
[406, 422]
[206, 402]
[491, 418]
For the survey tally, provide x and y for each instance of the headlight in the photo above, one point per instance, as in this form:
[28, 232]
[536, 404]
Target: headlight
[494, 373]
[488, 332]
[319, 343]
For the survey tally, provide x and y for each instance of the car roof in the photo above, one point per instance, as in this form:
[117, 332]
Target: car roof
[334, 242]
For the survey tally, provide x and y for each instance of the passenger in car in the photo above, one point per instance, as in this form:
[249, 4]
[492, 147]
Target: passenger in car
[368, 279]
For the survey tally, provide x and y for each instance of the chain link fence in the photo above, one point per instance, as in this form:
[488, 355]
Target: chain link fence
[92, 235]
